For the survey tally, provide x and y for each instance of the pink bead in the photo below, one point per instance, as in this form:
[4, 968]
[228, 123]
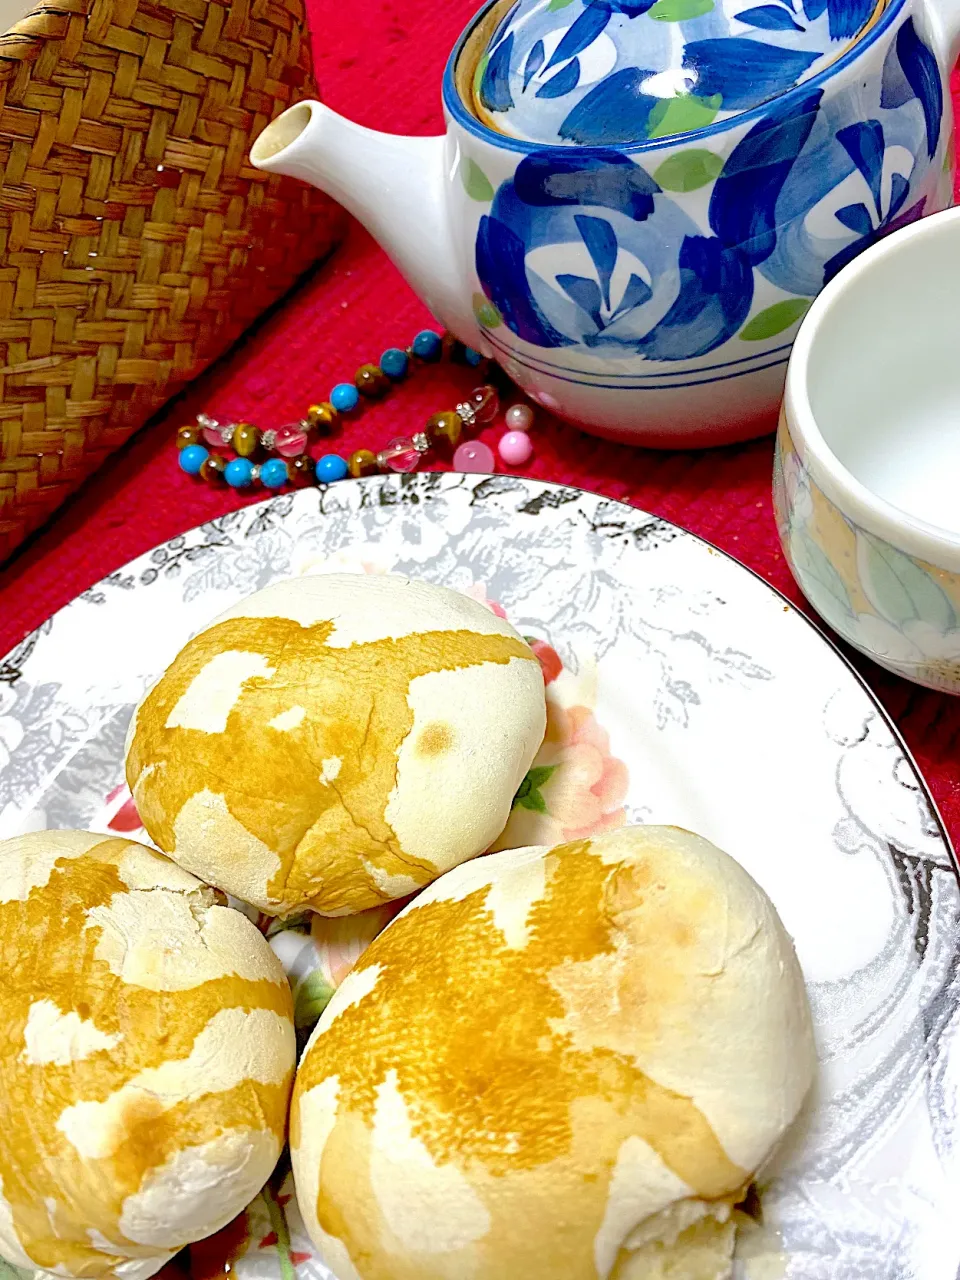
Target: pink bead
[519, 417]
[290, 441]
[474, 456]
[216, 435]
[400, 455]
[484, 402]
[515, 447]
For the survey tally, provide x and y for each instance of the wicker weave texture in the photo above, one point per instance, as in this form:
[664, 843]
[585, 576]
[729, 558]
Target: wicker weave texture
[136, 240]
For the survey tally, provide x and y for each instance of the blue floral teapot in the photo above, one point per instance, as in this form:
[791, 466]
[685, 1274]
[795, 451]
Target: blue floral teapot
[642, 271]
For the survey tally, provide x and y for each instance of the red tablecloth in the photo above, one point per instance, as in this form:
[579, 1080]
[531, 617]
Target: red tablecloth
[380, 63]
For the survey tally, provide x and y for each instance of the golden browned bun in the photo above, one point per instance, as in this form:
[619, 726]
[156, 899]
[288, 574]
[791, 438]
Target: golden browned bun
[337, 742]
[146, 1057]
[560, 1064]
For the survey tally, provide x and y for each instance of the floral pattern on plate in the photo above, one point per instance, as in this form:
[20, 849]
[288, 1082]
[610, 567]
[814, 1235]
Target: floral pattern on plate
[683, 690]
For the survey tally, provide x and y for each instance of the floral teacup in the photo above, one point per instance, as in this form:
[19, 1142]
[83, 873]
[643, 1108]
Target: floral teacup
[868, 454]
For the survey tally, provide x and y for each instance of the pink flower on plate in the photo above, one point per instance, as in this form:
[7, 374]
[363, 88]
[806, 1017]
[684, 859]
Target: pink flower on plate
[576, 787]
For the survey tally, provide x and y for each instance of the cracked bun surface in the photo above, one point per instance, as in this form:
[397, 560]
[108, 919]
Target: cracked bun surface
[555, 1064]
[336, 742]
[146, 1058]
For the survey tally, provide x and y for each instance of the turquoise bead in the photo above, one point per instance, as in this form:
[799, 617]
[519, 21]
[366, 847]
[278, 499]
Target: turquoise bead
[394, 363]
[427, 345]
[471, 356]
[192, 458]
[344, 397]
[239, 473]
[273, 473]
[331, 467]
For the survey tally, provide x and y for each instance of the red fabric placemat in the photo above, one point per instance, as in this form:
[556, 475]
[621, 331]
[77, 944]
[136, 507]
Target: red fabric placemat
[384, 71]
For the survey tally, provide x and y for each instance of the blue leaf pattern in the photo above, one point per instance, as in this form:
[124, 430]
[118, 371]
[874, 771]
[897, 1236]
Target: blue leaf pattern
[923, 75]
[636, 294]
[847, 17]
[615, 110]
[580, 35]
[863, 143]
[534, 63]
[501, 264]
[744, 71]
[585, 293]
[814, 8]
[856, 217]
[601, 241]
[562, 83]
[716, 289]
[769, 17]
[606, 178]
[495, 82]
[744, 197]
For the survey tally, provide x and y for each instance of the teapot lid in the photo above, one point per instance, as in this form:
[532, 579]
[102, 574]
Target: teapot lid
[612, 72]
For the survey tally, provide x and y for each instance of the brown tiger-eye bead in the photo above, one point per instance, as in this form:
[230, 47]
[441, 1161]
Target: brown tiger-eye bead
[371, 381]
[322, 417]
[362, 463]
[246, 440]
[302, 471]
[445, 427]
[213, 469]
[187, 436]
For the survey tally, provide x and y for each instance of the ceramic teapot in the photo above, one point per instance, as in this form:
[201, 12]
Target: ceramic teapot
[649, 290]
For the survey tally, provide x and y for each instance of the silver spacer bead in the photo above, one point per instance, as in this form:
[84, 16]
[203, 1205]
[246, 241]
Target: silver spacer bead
[255, 474]
[226, 431]
[268, 439]
[467, 413]
[204, 420]
[421, 441]
[382, 461]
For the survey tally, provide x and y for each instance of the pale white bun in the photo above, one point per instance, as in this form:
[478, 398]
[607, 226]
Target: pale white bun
[337, 742]
[558, 1064]
[146, 1058]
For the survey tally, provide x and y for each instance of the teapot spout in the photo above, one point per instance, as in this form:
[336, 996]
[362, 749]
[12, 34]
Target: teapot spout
[393, 185]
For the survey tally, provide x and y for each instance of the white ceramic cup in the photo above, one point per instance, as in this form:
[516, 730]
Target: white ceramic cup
[867, 470]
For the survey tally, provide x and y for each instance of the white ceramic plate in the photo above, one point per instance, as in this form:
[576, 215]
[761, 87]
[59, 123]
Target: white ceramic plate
[683, 690]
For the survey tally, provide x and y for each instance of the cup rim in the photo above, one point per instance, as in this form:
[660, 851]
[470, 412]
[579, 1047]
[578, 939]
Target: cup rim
[457, 109]
[922, 539]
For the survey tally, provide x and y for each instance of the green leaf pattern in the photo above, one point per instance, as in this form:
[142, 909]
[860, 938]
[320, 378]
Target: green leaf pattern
[821, 583]
[688, 170]
[775, 319]
[529, 794]
[898, 588]
[475, 182]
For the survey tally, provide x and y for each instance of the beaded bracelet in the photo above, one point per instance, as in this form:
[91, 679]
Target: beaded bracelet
[290, 443]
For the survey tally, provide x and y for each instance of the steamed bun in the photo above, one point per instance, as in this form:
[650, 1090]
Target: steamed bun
[555, 1064]
[337, 742]
[146, 1057]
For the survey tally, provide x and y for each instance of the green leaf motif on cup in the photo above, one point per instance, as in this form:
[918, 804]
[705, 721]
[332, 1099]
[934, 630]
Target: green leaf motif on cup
[679, 10]
[529, 794]
[821, 583]
[478, 74]
[554, 5]
[682, 114]
[773, 320]
[688, 170]
[898, 588]
[475, 182]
